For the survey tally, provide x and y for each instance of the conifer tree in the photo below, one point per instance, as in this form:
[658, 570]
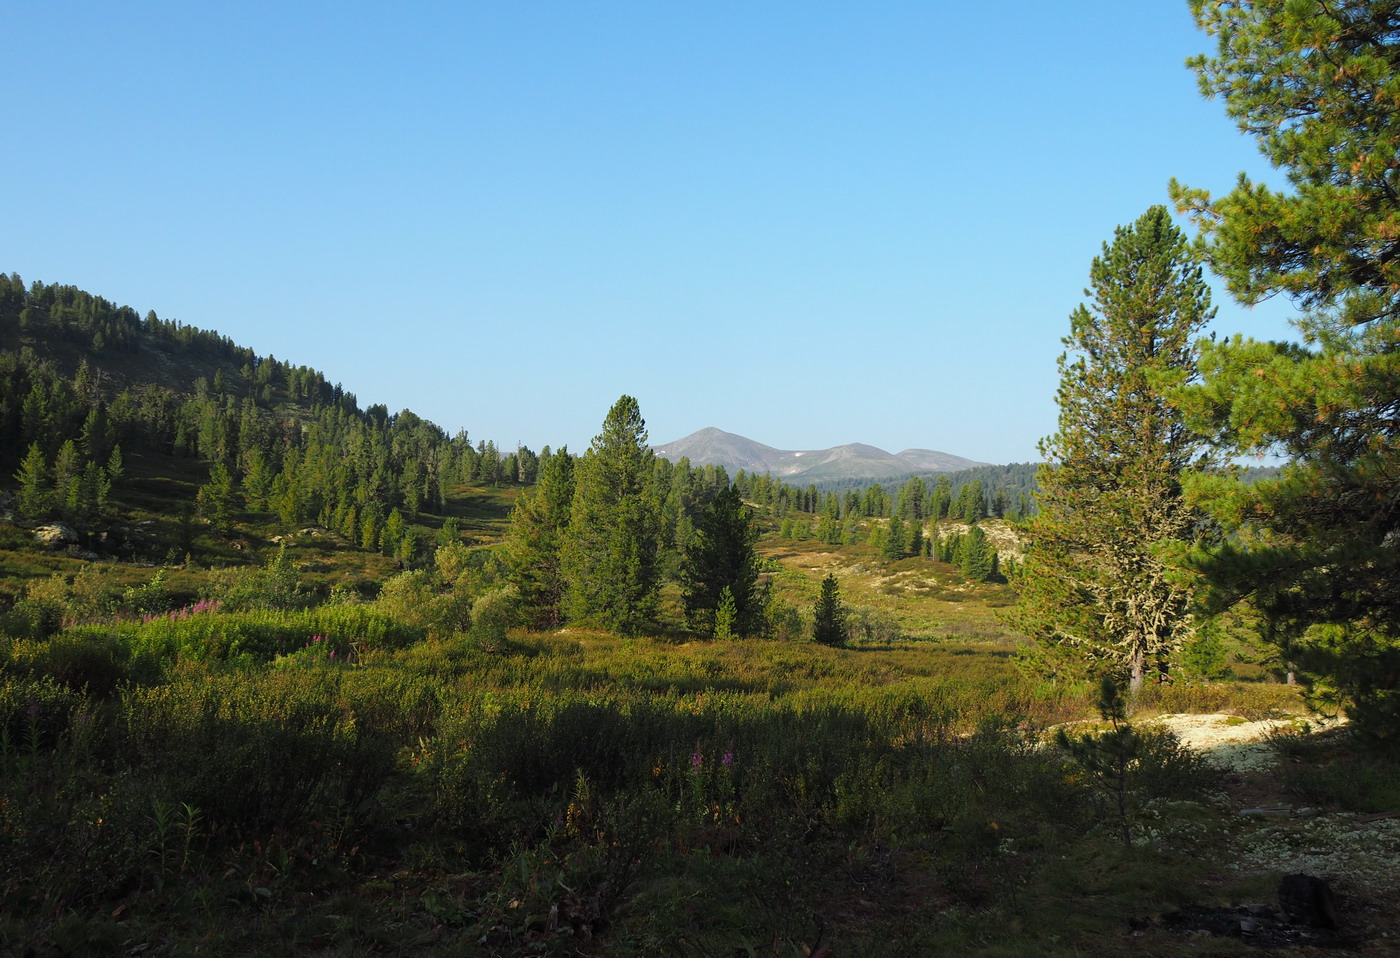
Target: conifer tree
[726, 614]
[721, 559]
[1094, 582]
[940, 498]
[216, 498]
[539, 524]
[972, 504]
[67, 479]
[116, 468]
[1112, 757]
[610, 555]
[1313, 549]
[93, 489]
[257, 480]
[450, 533]
[977, 559]
[32, 476]
[392, 532]
[97, 433]
[829, 615]
[850, 530]
[894, 537]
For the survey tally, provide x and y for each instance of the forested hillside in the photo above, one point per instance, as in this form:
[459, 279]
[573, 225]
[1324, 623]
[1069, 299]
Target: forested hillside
[96, 402]
[218, 448]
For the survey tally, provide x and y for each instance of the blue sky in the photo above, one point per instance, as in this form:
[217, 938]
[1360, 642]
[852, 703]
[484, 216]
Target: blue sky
[809, 223]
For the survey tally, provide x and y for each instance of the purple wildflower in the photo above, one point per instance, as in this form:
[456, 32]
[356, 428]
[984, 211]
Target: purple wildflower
[728, 758]
[696, 760]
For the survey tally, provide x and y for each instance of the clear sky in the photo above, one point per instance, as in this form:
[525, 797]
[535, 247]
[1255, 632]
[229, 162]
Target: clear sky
[809, 223]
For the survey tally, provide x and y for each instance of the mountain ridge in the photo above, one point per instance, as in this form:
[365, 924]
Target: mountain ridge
[714, 446]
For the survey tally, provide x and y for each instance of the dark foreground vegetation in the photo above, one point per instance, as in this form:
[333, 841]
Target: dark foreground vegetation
[332, 782]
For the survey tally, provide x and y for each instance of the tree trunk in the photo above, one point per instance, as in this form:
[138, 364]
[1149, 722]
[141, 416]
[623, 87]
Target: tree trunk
[1137, 668]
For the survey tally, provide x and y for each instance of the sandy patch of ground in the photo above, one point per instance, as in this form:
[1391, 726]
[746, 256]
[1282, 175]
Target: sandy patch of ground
[1233, 743]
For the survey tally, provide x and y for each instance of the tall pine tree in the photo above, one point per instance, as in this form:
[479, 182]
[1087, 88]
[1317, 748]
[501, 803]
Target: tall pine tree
[1314, 549]
[610, 555]
[1095, 583]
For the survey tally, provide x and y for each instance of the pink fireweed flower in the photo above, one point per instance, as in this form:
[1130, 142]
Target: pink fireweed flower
[728, 758]
[696, 760]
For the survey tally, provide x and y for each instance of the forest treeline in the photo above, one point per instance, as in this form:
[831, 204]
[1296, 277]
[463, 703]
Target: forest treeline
[88, 384]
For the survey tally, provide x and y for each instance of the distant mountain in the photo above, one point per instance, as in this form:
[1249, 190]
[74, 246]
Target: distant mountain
[711, 446]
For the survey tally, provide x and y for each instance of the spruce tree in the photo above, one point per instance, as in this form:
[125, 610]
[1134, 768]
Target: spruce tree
[539, 524]
[1094, 582]
[829, 615]
[115, 466]
[217, 499]
[450, 532]
[392, 532]
[895, 540]
[1313, 549]
[721, 557]
[977, 558]
[67, 480]
[257, 481]
[34, 498]
[726, 614]
[610, 555]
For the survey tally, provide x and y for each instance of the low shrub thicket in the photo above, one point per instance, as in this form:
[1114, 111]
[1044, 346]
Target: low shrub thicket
[220, 761]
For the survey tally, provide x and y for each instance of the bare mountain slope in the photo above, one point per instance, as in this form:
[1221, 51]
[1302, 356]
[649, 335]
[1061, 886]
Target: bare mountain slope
[711, 446]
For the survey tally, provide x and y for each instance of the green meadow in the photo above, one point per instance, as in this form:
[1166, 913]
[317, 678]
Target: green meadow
[344, 775]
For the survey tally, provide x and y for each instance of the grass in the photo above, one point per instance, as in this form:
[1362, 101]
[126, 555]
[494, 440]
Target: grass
[920, 598]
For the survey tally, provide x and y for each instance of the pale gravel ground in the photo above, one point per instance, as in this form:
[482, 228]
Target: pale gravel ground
[1242, 747]
[1357, 856]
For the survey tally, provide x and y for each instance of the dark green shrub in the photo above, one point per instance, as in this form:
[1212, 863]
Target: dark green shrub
[35, 710]
[259, 751]
[88, 663]
[32, 619]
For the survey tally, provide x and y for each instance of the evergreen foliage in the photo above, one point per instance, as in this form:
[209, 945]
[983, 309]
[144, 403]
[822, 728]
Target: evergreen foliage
[32, 476]
[720, 561]
[1315, 547]
[975, 555]
[291, 443]
[538, 527]
[1109, 758]
[1095, 582]
[829, 615]
[894, 546]
[610, 554]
